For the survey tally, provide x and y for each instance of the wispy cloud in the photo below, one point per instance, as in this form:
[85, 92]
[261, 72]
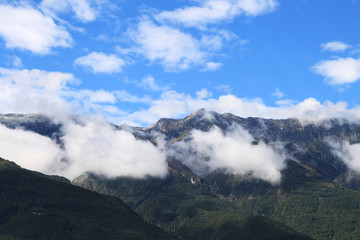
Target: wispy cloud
[28, 29]
[277, 93]
[349, 153]
[335, 46]
[82, 8]
[149, 83]
[214, 11]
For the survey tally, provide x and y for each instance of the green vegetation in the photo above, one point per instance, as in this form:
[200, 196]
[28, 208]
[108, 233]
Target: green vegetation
[304, 201]
[186, 210]
[39, 207]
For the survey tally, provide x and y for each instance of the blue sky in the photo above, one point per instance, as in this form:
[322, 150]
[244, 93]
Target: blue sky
[137, 61]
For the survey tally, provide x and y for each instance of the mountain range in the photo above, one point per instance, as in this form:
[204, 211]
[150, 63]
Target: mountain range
[303, 188]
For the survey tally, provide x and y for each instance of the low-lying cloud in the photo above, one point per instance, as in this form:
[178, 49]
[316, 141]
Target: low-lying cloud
[90, 145]
[348, 153]
[234, 151]
[29, 150]
[97, 147]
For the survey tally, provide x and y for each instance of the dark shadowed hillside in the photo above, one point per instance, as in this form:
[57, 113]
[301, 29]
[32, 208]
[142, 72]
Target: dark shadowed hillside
[36, 206]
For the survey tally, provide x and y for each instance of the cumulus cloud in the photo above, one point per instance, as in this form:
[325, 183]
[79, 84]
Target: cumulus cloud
[41, 33]
[335, 46]
[82, 8]
[52, 94]
[33, 91]
[170, 47]
[349, 153]
[99, 62]
[233, 151]
[339, 71]
[213, 11]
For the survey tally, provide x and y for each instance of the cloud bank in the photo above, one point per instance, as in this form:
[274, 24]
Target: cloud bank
[30, 150]
[233, 151]
[94, 145]
[97, 147]
[91, 145]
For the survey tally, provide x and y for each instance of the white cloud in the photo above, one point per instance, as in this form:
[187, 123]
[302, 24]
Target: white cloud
[213, 11]
[286, 102]
[97, 147]
[176, 105]
[93, 145]
[82, 8]
[51, 93]
[203, 93]
[99, 62]
[173, 49]
[26, 28]
[349, 153]
[149, 83]
[277, 93]
[339, 71]
[225, 88]
[16, 62]
[212, 66]
[335, 46]
[232, 151]
[33, 91]
[29, 150]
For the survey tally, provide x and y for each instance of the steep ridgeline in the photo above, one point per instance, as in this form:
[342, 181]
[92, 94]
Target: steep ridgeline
[36, 206]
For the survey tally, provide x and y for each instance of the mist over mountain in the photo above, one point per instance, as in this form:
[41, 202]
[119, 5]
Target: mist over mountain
[287, 170]
[204, 141]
